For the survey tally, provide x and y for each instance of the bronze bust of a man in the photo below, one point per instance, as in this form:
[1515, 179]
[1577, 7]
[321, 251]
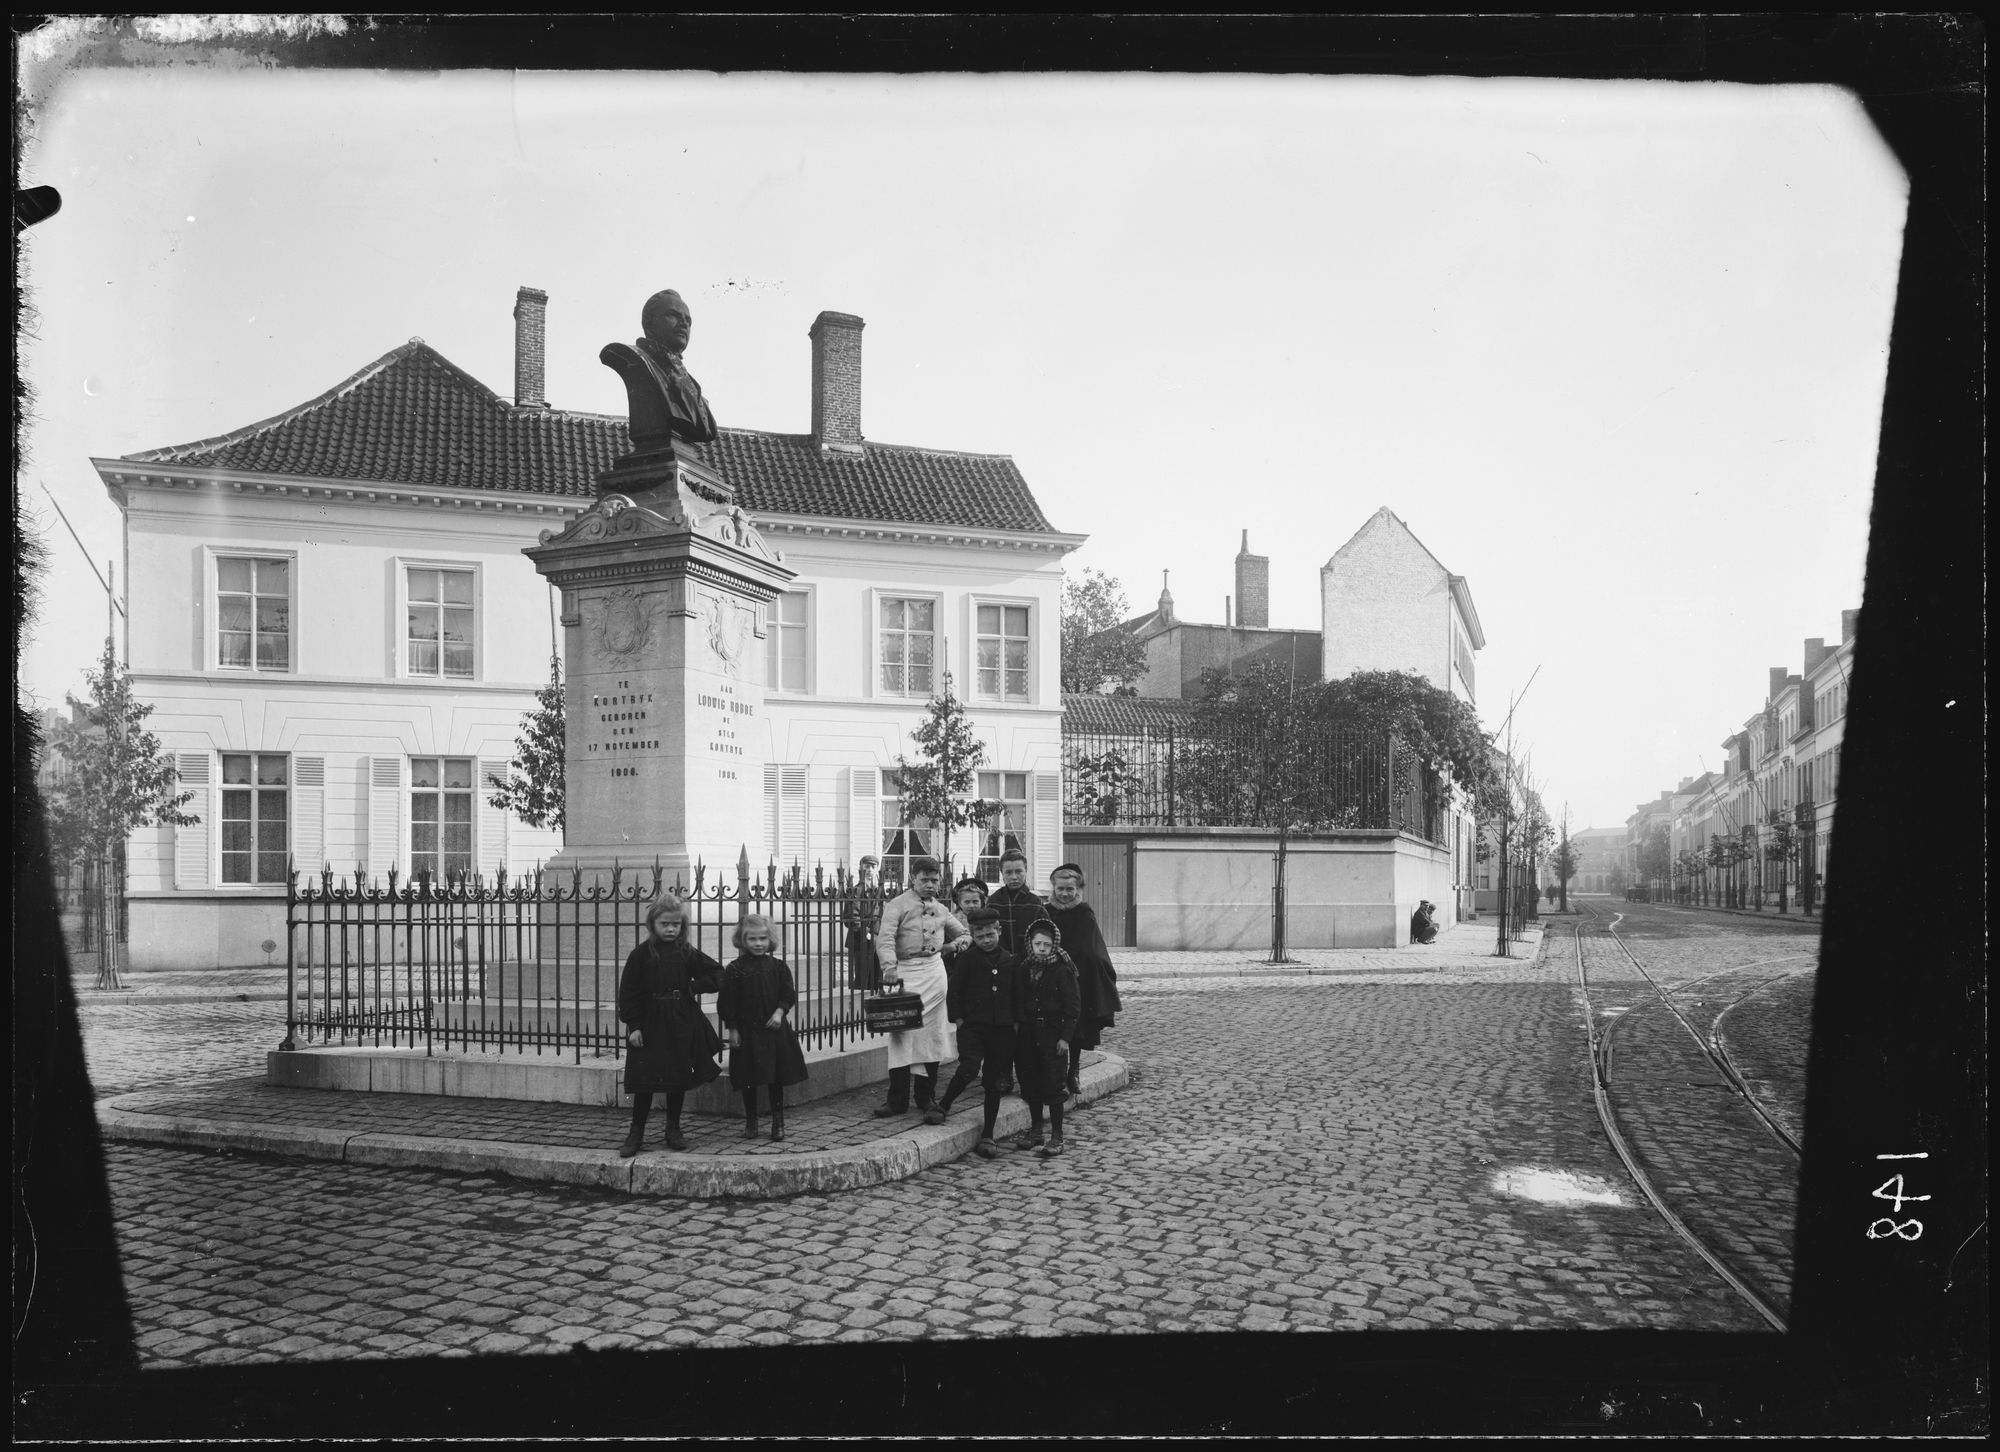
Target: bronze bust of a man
[664, 402]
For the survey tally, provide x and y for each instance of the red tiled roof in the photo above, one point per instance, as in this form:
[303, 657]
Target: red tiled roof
[1095, 715]
[414, 417]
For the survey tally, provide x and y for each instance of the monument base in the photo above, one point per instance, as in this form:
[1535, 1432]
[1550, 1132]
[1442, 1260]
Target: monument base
[547, 1078]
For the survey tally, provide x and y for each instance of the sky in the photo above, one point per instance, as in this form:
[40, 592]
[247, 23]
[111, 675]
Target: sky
[1614, 351]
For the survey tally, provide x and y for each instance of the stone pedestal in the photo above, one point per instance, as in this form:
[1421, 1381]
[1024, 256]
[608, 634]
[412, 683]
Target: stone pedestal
[663, 596]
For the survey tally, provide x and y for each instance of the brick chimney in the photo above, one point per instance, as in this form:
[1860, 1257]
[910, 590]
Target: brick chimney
[1816, 652]
[836, 345]
[1253, 587]
[1848, 619]
[531, 307]
[1778, 677]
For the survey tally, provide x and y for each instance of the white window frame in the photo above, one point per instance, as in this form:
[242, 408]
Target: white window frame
[409, 791]
[1026, 802]
[211, 614]
[773, 633]
[972, 639]
[399, 618]
[877, 597]
[219, 835]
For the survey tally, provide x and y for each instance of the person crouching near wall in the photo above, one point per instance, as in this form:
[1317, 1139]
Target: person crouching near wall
[756, 1005]
[670, 1046]
[1049, 1010]
[987, 999]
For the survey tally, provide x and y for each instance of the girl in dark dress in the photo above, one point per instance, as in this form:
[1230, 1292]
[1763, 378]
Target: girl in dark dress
[670, 1046]
[1048, 1024]
[755, 1007]
[1097, 980]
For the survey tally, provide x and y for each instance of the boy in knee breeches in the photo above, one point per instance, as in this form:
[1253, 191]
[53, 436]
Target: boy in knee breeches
[984, 1002]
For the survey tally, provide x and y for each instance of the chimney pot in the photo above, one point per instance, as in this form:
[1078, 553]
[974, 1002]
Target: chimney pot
[836, 366]
[531, 306]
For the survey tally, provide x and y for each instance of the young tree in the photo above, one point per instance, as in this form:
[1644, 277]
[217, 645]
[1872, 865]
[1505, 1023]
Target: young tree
[1101, 787]
[1568, 859]
[1656, 856]
[937, 785]
[1093, 602]
[1781, 849]
[120, 779]
[533, 787]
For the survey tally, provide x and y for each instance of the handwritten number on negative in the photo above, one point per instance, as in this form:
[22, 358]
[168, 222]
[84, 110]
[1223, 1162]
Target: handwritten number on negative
[1908, 1230]
[1892, 1189]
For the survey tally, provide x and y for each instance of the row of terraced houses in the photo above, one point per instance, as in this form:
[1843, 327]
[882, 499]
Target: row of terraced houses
[1773, 798]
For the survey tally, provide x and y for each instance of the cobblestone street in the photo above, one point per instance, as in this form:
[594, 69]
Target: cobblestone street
[1292, 1154]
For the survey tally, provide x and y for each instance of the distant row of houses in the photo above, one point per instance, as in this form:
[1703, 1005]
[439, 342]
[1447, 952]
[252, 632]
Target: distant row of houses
[1757, 833]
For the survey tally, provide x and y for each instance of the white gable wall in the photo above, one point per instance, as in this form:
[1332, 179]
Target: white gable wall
[1385, 605]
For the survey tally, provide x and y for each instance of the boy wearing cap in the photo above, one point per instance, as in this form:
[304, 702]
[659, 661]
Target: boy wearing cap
[1097, 980]
[1048, 1023]
[985, 1005]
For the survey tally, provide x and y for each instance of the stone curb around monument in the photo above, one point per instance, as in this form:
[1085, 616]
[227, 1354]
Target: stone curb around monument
[653, 1172]
[127, 997]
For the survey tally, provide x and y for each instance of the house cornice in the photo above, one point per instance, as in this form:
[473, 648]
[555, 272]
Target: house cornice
[817, 526]
[120, 474]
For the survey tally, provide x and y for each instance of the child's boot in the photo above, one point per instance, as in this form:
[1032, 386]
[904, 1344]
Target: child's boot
[777, 1120]
[750, 1113]
[673, 1139]
[634, 1138]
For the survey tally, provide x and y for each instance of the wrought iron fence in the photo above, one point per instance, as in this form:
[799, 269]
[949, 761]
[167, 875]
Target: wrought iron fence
[1184, 776]
[530, 964]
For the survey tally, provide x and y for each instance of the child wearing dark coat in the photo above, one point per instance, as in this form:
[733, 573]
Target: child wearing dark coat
[669, 1044]
[1097, 980]
[1049, 1013]
[985, 1002]
[755, 1006]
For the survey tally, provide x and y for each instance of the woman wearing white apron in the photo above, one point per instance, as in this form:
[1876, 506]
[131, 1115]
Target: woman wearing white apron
[909, 943]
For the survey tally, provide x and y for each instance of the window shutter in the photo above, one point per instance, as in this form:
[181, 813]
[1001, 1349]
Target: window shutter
[864, 815]
[191, 844]
[1045, 832]
[385, 807]
[490, 850]
[785, 814]
[309, 815]
[791, 815]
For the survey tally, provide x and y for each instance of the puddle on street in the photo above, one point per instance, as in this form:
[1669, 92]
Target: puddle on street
[1555, 1187]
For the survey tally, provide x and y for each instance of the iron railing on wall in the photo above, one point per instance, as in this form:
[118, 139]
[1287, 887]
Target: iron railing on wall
[1185, 776]
[530, 964]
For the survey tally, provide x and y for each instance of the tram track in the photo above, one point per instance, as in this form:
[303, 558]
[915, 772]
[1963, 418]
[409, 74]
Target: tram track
[1755, 1288]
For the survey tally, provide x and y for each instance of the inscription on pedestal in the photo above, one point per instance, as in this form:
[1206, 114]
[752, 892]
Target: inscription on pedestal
[621, 720]
[725, 716]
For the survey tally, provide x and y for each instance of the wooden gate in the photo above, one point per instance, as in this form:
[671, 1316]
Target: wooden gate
[1107, 873]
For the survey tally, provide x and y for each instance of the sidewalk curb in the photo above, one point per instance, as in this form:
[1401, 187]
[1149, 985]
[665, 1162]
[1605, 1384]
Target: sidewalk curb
[652, 1172]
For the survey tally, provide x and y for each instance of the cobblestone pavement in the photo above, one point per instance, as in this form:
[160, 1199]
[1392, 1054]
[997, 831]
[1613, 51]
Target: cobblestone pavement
[1292, 1155]
[140, 1045]
[1705, 1152]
